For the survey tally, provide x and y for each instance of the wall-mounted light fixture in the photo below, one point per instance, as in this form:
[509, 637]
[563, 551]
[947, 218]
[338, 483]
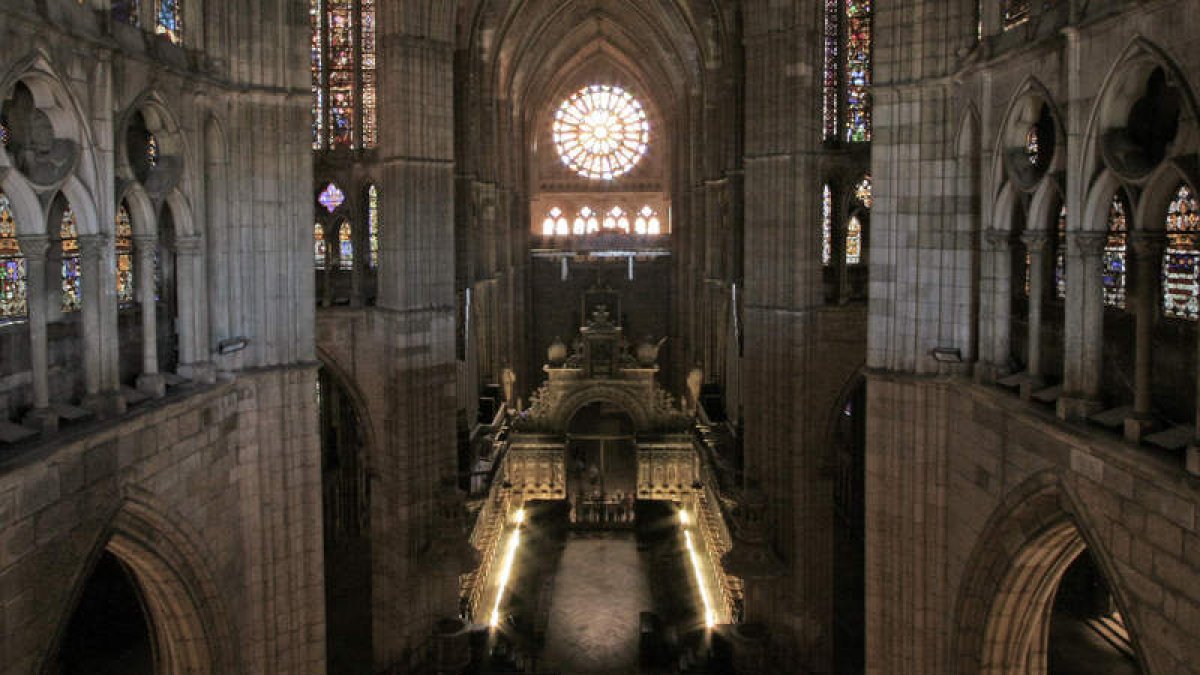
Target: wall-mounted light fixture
[231, 345]
[946, 354]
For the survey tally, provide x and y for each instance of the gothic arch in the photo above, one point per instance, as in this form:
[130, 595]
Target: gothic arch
[1121, 87]
[191, 628]
[1151, 208]
[141, 209]
[1099, 199]
[84, 206]
[359, 402]
[1023, 111]
[28, 214]
[54, 99]
[627, 401]
[1004, 603]
[1049, 194]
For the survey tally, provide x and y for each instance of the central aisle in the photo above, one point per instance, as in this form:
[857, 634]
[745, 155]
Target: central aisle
[599, 590]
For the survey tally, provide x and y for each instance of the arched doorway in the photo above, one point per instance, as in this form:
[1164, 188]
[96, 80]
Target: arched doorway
[849, 443]
[601, 452]
[110, 632]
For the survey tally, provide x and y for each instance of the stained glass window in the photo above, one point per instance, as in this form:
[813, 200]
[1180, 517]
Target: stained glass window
[1114, 254]
[1016, 12]
[341, 68]
[373, 224]
[152, 151]
[168, 19]
[1060, 254]
[332, 197]
[1181, 259]
[647, 222]
[854, 241]
[826, 225]
[858, 70]
[13, 303]
[367, 73]
[601, 132]
[346, 246]
[863, 192]
[124, 245]
[68, 235]
[319, 252]
[125, 11]
[1033, 146]
[5, 135]
[317, 63]
[832, 66]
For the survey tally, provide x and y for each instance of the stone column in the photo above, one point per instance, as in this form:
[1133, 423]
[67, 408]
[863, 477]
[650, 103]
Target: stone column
[91, 249]
[35, 248]
[1084, 329]
[994, 357]
[150, 381]
[1148, 250]
[1035, 242]
[188, 262]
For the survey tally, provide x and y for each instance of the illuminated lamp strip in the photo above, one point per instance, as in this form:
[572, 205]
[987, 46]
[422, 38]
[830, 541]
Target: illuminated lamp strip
[510, 555]
[710, 616]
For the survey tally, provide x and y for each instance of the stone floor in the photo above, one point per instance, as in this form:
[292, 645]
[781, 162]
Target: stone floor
[601, 587]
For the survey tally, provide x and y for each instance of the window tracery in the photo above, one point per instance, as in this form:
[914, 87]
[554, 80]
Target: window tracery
[1115, 248]
[854, 241]
[68, 236]
[332, 197]
[615, 220]
[863, 192]
[1181, 259]
[601, 132]
[13, 301]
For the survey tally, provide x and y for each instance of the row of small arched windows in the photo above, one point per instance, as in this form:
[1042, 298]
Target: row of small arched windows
[854, 242]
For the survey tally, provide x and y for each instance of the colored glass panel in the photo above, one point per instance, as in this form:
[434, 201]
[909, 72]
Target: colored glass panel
[1181, 259]
[319, 250]
[13, 302]
[373, 225]
[317, 63]
[168, 20]
[833, 40]
[1016, 12]
[858, 70]
[863, 192]
[68, 235]
[341, 70]
[152, 150]
[124, 246]
[332, 198]
[854, 241]
[1115, 248]
[367, 74]
[601, 132]
[346, 246]
[1033, 146]
[1060, 255]
[5, 134]
[826, 226]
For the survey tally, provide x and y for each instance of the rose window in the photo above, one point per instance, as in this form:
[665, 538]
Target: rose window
[601, 132]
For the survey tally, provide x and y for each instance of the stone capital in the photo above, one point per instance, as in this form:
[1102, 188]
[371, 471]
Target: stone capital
[189, 245]
[92, 244]
[1147, 244]
[1035, 240]
[34, 246]
[145, 242]
[1089, 244]
[997, 240]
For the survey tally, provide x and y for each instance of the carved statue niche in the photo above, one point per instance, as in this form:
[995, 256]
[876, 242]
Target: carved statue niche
[44, 159]
[1133, 151]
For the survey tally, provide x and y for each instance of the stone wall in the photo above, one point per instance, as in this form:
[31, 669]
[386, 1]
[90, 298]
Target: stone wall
[951, 469]
[213, 500]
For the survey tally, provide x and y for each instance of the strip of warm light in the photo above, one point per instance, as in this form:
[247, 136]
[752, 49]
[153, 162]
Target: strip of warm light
[710, 617]
[510, 555]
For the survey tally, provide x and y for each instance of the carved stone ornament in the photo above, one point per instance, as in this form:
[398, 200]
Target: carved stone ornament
[35, 150]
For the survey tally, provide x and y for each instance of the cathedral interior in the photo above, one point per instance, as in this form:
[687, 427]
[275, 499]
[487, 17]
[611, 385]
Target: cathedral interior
[613, 337]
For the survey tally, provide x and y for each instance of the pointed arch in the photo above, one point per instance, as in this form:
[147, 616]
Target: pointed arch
[191, 627]
[1004, 602]
[27, 209]
[141, 209]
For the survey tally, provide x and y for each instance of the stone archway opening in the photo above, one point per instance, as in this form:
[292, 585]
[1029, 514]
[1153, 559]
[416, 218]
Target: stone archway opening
[1056, 614]
[602, 459]
[110, 631]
